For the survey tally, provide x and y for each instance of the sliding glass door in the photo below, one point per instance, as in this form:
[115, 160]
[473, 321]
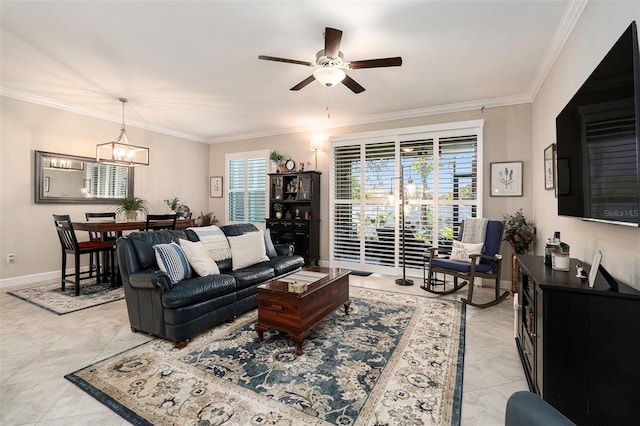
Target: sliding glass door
[431, 177]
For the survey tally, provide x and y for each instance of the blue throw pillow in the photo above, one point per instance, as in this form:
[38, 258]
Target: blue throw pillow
[171, 259]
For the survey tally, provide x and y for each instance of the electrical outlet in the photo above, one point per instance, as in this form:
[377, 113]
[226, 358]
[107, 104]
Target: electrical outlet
[11, 258]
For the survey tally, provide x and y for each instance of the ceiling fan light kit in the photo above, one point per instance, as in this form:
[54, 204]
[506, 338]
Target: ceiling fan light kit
[328, 76]
[330, 64]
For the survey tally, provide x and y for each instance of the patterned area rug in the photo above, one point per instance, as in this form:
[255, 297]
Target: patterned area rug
[52, 298]
[396, 359]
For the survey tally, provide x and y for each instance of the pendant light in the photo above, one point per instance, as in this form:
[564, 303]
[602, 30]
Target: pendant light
[120, 151]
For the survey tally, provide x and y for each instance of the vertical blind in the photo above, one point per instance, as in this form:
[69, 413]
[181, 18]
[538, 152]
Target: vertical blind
[440, 180]
[247, 187]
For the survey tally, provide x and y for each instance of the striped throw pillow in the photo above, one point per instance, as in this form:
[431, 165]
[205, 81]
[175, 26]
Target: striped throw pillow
[171, 259]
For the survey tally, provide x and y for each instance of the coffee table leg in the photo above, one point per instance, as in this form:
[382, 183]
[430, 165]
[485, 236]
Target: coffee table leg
[260, 330]
[298, 341]
[346, 307]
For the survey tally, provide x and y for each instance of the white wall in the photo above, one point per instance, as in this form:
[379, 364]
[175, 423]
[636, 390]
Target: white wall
[600, 25]
[178, 168]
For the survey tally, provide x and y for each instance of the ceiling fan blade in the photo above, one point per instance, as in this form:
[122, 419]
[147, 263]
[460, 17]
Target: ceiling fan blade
[332, 38]
[376, 63]
[288, 61]
[353, 85]
[303, 83]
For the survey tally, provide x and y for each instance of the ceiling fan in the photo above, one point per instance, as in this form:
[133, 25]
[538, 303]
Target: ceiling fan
[330, 64]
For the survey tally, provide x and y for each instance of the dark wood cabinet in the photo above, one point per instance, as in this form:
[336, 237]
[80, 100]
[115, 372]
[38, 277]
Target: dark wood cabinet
[296, 196]
[579, 346]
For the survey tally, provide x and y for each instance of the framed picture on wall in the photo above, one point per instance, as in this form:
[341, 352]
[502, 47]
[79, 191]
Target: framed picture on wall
[550, 167]
[215, 186]
[506, 179]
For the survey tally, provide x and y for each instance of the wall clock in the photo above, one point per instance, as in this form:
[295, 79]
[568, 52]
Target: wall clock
[290, 165]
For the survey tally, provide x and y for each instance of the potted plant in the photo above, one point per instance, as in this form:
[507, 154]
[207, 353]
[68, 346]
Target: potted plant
[276, 158]
[174, 204]
[520, 234]
[206, 219]
[130, 206]
[277, 207]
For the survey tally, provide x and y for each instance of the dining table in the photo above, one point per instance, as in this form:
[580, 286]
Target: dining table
[106, 227]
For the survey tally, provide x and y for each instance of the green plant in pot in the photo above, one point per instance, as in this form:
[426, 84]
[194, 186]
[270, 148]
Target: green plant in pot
[277, 207]
[174, 204]
[277, 158]
[130, 206]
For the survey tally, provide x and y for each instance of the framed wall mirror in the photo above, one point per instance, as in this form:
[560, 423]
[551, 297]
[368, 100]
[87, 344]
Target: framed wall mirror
[63, 178]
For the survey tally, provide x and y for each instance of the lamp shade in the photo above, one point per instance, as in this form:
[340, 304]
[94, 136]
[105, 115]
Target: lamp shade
[329, 76]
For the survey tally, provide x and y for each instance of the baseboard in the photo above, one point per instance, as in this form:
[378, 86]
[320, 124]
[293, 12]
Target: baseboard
[34, 278]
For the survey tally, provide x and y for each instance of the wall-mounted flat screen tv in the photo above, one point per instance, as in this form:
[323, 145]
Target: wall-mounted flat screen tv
[597, 139]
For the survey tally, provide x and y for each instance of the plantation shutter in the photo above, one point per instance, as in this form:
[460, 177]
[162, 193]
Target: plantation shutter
[246, 187]
[108, 181]
[457, 185]
[347, 172]
[441, 183]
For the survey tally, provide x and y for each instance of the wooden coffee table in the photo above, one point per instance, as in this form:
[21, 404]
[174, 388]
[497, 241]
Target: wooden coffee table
[297, 313]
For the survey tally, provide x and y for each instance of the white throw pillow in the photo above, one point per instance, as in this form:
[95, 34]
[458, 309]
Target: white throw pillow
[247, 250]
[461, 251]
[171, 259]
[199, 258]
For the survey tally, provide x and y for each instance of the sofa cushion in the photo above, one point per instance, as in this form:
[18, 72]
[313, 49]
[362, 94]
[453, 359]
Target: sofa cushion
[143, 243]
[197, 289]
[238, 229]
[251, 275]
[247, 249]
[171, 259]
[284, 264]
[199, 258]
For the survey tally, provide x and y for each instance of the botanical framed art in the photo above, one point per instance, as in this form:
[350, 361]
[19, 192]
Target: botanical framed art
[215, 186]
[550, 167]
[506, 179]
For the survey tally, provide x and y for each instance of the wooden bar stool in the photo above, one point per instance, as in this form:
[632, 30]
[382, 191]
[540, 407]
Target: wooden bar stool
[69, 245]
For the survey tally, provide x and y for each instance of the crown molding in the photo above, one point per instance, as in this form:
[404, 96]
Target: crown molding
[40, 100]
[370, 119]
[391, 116]
[567, 23]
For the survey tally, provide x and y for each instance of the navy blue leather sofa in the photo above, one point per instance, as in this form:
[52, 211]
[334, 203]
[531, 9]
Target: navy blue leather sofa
[178, 312]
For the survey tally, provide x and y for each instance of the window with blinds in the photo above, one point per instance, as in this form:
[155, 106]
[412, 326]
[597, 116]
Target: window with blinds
[108, 181]
[247, 187]
[439, 189]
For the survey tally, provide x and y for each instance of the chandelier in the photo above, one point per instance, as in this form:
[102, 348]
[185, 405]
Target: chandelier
[120, 151]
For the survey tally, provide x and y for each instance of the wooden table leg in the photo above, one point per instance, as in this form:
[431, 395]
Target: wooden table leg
[260, 330]
[346, 307]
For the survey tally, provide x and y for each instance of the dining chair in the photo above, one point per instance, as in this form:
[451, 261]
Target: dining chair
[70, 246]
[161, 221]
[96, 236]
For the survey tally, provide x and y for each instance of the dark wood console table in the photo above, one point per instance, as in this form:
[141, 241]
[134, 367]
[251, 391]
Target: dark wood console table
[579, 346]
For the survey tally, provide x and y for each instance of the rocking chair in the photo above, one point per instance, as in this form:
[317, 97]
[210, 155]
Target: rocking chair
[484, 265]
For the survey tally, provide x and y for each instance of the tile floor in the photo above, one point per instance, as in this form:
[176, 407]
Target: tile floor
[37, 348]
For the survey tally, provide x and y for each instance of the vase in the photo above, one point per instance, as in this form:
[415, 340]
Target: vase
[131, 216]
[278, 215]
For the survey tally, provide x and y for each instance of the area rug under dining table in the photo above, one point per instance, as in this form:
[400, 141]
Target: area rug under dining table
[51, 297]
[395, 359]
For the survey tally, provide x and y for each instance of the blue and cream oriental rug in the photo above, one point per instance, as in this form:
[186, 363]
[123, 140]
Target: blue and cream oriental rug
[396, 359]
